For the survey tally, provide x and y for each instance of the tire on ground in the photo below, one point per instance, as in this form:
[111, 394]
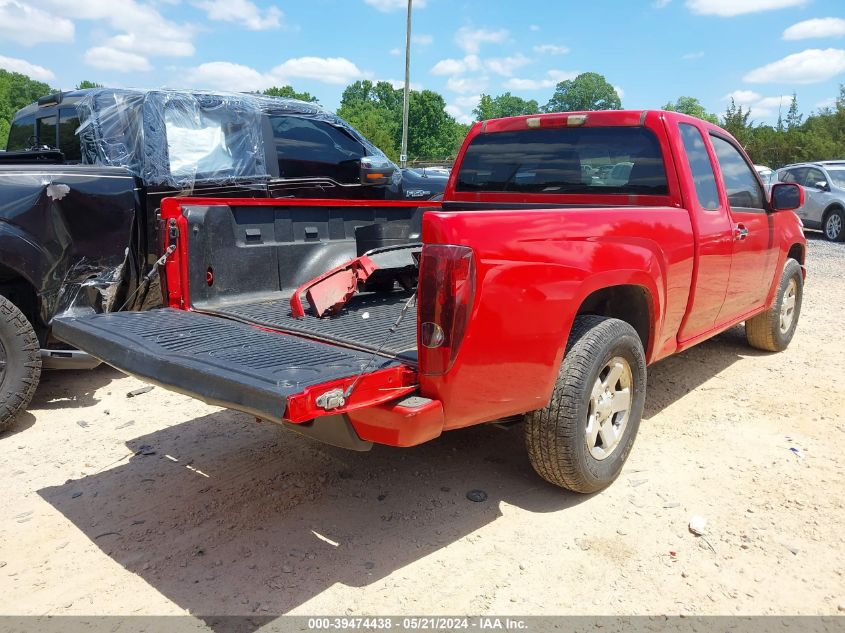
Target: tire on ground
[20, 362]
[834, 226]
[764, 330]
[556, 436]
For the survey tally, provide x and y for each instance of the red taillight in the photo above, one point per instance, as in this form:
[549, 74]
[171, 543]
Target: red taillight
[445, 290]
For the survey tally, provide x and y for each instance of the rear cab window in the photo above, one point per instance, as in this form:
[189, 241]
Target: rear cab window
[21, 134]
[588, 160]
[46, 129]
[68, 140]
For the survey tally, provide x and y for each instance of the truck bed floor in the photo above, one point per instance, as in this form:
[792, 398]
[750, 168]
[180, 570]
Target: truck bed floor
[363, 324]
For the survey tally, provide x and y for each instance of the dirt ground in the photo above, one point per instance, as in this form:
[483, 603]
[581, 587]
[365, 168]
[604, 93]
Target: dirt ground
[160, 504]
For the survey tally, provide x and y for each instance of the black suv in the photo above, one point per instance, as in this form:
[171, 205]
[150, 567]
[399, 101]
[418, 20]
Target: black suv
[81, 185]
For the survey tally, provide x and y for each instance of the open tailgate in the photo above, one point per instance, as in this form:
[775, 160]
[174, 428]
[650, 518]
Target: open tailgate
[271, 375]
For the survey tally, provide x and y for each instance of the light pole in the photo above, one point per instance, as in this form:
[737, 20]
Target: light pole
[403, 152]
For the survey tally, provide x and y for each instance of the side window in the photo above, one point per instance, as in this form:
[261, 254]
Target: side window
[20, 134]
[68, 141]
[308, 148]
[45, 130]
[790, 175]
[700, 166]
[813, 176]
[741, 184]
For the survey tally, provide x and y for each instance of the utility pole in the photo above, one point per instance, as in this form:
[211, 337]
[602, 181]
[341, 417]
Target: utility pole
[403, 152]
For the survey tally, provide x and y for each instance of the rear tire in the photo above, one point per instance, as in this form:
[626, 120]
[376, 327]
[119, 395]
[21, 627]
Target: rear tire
[582, 438]
[20, 362]
[773, 329]
[834, 226]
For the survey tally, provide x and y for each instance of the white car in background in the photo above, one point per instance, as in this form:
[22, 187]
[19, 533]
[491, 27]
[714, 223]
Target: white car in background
[824, 195]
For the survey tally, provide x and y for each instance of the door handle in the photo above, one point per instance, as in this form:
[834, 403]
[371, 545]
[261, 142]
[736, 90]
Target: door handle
[740, 232]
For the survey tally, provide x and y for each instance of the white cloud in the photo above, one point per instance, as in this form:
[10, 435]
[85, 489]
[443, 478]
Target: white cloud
[396, 51]
[461, 108]
[695, 55]
[470, 40]
[660, 4]
[551, 49]
[760, 106]
[553, 77]
[423, 39]
[141, 29]
[742, 97]
[619, 91]
[730, 8]
[534, 27]
[25, 68]
[505, 66]
[26, 24]
[465, 85]
[394, 5]
[109, 58]
[227, 76]
[244, 12]
[826, 103]
[807, 67]
[456, 66]
[819, 27]
[330, 70]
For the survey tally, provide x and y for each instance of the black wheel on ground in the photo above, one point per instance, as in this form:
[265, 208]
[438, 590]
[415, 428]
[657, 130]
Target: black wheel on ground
[834, 226]
[773, 329]
[20, 362]
[582, 438]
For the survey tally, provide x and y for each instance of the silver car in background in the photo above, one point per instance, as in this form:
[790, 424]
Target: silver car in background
[824, 195]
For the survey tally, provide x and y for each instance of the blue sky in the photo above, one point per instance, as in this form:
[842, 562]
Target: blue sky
[652, 50]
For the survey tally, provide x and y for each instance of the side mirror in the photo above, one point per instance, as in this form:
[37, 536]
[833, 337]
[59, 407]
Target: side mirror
[821, 186]
[786, 196]
[376, 170]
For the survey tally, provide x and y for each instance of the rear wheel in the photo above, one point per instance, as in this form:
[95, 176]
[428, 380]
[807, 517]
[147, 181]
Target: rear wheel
[834, 226]
[773, 329]
[581, 440]
[20, 362]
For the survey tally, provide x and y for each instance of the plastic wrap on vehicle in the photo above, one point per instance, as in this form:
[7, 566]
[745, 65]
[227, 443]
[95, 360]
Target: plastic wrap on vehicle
[177, 138]
[174, 138]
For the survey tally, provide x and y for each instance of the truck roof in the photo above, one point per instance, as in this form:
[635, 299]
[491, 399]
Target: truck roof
[577, 118]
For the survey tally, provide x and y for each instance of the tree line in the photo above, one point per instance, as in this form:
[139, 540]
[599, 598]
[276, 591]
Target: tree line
[375, 109]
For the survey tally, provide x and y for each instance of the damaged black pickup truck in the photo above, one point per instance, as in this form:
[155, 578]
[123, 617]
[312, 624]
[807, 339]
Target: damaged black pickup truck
[82, 181]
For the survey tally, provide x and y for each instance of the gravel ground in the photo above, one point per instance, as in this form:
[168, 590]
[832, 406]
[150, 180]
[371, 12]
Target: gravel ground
[159, 504]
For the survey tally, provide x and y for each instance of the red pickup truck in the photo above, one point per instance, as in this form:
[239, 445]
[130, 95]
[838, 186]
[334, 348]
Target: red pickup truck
[570, 251]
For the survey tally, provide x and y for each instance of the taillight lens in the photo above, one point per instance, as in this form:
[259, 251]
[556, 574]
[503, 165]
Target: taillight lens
[445, 291]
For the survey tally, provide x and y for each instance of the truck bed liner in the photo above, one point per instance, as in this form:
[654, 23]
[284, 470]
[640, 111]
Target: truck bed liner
[219, 361]
[349, 328]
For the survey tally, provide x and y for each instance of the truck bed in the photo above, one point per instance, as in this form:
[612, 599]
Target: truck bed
[363, 324]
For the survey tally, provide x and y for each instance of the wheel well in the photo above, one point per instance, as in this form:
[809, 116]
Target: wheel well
[20, 292]
[627, 303]
[833, 207]
[796, 252]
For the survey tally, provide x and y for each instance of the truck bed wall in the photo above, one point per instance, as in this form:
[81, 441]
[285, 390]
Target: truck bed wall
[258, 250]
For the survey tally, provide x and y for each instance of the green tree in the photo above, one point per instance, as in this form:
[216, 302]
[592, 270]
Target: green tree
[375, 109]
[16, 91]
[289, 93]
[736, 121]
[502, 106]
[793, 117]
[692, 107]
[588, 91]
[82, 85]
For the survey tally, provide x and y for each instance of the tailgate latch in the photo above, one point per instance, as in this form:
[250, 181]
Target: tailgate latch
[331, 399]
